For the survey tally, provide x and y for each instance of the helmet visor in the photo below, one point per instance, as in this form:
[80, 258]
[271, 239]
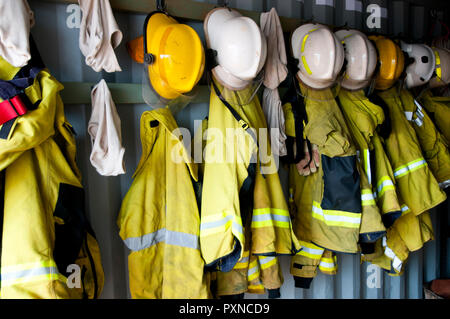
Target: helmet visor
[158, 92]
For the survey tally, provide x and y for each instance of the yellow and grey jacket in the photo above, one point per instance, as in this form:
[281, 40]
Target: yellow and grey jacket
[304, 265]
[159, 219]
[240, 185]
[439, 110]
[362, 118]
[326, 205]
[434, 146]
[416, 185]
[48, 249]
[251, 274]
[408, 233]
[336, 203]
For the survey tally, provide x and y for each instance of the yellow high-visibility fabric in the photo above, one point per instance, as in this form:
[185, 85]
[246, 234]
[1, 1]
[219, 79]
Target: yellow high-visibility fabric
[433, 144]
[159, 219]
[439, 108]
[252, 274]
[362, 118]
[334, 229]
[305, 263]
[408, 233]
[313, 225]
[372, 226]
[236, 281]
[43, 203]
[415, 183]
[385, 184]
[222, 219]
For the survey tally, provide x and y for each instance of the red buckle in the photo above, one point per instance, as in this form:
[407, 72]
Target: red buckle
[11, 108]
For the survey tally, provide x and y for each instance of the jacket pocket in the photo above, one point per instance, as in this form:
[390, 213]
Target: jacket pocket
[70, 226]
[341, 184]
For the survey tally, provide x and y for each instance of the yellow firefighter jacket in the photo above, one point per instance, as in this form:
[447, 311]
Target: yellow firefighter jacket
[159, 219]
[439, 110]
[434, 146]
[241, 184]
[251, 274]
[416, 185]
[45, 235]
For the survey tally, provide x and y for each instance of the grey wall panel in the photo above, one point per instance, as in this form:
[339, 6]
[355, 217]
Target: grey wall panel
[254, 5]
[350, 13]
[286, 8]
[399, 25]
[418, 22]
[58, 45]
[322, 10]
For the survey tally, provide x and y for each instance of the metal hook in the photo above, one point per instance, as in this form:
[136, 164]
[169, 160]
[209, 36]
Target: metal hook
[225, 4]
[433, 13]
[161, 5]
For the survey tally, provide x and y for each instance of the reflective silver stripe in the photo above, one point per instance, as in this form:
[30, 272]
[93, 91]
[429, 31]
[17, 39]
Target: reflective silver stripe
[313, 251]
[367, 163]
[401, 171]
[444, 184]
[252, 270]
[162, 236]
[215, 224]
[265, 260]
[388, 252]
[384, 184]
[397, 264]
[418, 121]
[337, 218]
[243, 260]
[238, 227]
[326, 265]
[405, 209]
[419, 107]
[412, 166]
[261, 218]
[409, 115]
[409, 167]
[367, 197]
[26, 273]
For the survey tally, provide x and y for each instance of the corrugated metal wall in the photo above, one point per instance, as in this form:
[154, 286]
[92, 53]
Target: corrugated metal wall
[56, 34]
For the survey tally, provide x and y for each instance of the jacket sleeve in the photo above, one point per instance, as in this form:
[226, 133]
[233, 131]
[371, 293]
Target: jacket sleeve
[304, 265]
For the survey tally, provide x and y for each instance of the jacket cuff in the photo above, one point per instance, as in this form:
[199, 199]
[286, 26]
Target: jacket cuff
[301, 282]
[274, 293]
[367, 248]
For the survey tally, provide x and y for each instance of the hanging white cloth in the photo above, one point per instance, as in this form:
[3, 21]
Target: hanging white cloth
[273, 111]
[275, 71]
[106, 137]
[16, 19]
[99, 35]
